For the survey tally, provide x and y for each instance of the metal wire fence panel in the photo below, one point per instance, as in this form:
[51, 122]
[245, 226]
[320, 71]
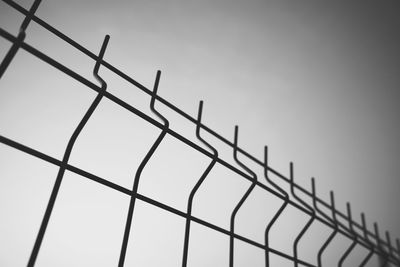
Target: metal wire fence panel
[118, 182]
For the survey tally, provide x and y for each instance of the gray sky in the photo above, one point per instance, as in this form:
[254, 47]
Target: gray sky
[315, 81]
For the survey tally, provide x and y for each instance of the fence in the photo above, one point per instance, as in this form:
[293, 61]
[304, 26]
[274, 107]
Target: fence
[357, 233]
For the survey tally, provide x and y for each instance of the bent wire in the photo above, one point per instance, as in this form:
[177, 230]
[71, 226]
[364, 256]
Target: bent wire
[309, 222]
[378, 243]
[389, 242]
[352, 233]
[20, 38]
[398, 246]
[17, 43]
[280, 210]
[242, 200]
[197, 186]
[330, 220]
[67, 154]
[140, 169]
[390, 248]
[382, 259]
[371, 250]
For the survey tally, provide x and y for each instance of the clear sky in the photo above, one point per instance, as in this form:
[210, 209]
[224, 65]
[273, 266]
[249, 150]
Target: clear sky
[316, 81]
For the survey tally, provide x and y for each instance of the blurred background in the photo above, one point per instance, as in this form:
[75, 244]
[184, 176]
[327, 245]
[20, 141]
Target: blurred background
[315, 81]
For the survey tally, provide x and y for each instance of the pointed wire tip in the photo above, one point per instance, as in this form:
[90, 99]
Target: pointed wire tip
[99, 60]
[388, 236]
[291, 174]
[350, 216]
[332, 195]
[236, 135]
[200, 111]
[364, 224]
[349, 211]
[313, 185]
[105, 41]
[377, 233]
[266, 155]
[155, 87]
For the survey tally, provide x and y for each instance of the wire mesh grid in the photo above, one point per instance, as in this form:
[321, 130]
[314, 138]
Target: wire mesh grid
[340, 224]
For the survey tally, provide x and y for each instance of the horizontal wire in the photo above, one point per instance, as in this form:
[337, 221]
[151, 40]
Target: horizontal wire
[125, 105]
[122, 103]
[105, 182]
[165, 102]
[176, 109]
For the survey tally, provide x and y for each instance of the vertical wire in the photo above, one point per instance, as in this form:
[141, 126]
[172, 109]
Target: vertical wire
[371, 251]
[28, 23]
[197, 186]
[139, 172]
[309, 222]
[332, 221]
[398, 249]
[280, 210]
[332, 235]
[67, 154]
[354, 237]
[242, 200]
[389, 241]
[382, 257]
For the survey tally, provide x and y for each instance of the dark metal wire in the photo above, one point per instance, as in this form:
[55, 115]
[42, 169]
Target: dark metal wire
[390, 252]
[197, 186]
[355, 237]
[398, 246]
[280, 210]
[309, 222]
[139, 171]
[21, 37]
[18, 42]
[242, 200]
[67, 154]
[331, 221]
[126, 77]
[144, 116]
[148, 200]
[382, 256]
[128, 107]
[371, 250]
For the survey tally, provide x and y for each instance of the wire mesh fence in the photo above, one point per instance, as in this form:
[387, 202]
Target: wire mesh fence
[210, 207]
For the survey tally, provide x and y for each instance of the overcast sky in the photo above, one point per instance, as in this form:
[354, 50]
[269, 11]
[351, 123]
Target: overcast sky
[316, 81]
